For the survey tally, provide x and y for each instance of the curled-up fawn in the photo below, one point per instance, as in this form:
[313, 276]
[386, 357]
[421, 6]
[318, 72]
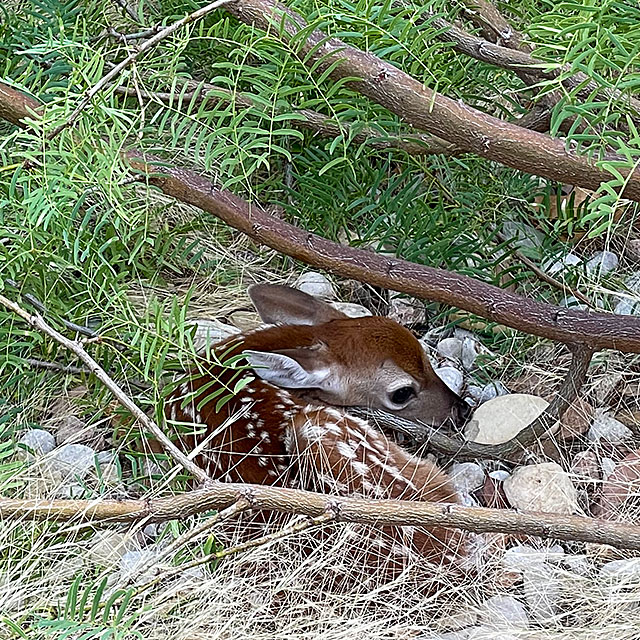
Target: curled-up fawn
[290, 425]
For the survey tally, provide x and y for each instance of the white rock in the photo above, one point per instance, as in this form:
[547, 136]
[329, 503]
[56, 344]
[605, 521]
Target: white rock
[504, 612]
[137, 566]
[602, 263]
[451, 377]
[556, 266]
[541, 487]
[39, 441]
[626, 569]
[71, 461]
[627, 307]
[466, 477]
[210, 331]
[542, 588]
[450, 348]
[492, 390]
[520, 558]
[608, 467]
[489, 633]
[351, 309]
[469, 353]
[500, 419]
[106, 548]
[633, 282]
[606, 427]
[407, 311]
[107, 467]
[316, 284]
[500, 475]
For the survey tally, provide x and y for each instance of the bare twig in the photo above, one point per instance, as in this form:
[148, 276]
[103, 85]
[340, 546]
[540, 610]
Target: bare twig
[347, 509]
[543, 275]
[38, 322]
[225, 514]
[57, 366]
[145, 46]
[138, 35]
[123, 4]
[429, 111]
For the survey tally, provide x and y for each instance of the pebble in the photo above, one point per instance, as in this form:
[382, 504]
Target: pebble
[524, 234]
[450, 348]
[210, 331]
[602, 263]
[452, 378]
[106, 548]
[351, 309]
[469, 353]
[627, 307]
[39, 441]
[466, 477]
[608, 467]
[542, 588]
[606, 427]
[504, 612]
[544, 487]
[407, 311]
[107, 467]
[133, 565]
[557, 266]
[628, 568]
[316, 284]
[71, 461]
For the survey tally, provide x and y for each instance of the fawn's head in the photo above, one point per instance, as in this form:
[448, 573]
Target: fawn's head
[328, 357]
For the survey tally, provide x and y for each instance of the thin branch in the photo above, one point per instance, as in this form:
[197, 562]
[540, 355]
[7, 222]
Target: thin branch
[123, 4]
[413, 144]
[596, 330]
[145, 46]
[77, 348]
[346, 509]
[138, 35]
[57, 366]
[511, 451]
[429, 111]
[544, 276]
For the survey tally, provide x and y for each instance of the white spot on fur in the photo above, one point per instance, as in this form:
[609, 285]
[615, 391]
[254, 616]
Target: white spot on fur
[262, 461]
[360, 468]
[265, 437]
[345, 450]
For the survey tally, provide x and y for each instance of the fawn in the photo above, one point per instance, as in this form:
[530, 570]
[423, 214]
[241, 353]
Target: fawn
[290, 427]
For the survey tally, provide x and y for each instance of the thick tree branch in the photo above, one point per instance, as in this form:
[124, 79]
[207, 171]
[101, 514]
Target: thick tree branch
[314, 505]
[424, 109]
[595, 330]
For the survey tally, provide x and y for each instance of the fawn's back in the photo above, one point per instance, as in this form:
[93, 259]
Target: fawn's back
[288, 426]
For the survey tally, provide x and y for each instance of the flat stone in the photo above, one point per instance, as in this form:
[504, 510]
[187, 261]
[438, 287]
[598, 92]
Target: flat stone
[502, 418]
[39, 442]
[469, 353]
[450, 348]
[554, 266]
[503, 612]
[351, 309]
[451, 377]
[602, 263]
[71, 461]
[467, 477]
[316, 284]
[542, 487]
[606, 428]
[106, 547]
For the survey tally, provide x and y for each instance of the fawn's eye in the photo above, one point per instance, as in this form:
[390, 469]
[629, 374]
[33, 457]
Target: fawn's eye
[402, 395]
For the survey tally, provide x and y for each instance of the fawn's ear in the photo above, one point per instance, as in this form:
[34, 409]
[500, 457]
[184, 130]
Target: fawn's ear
[278, 304]
[293, 369]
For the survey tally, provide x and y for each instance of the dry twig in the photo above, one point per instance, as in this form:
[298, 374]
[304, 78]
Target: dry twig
[145, 46]
[77, 348]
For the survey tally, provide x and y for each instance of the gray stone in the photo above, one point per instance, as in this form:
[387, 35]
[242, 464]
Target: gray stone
[524, 235]
[542, 589]
[316, 284]
[606, 427]
[407, 311]
[351, 309]
[500, 475]
[627, 569]
[210, 331]
[554, 266]
[492, 390]
[39, 441]
[504, 612]
[71, 491]
[544, 487]
[450, 348]
[602, 263]
[627, 307]
[107, 547]
[137, 566]
[451, 377]
[107, 467]
[466, 477]
[71, 461]
[571, 302]
[469, 353]
[608, 466]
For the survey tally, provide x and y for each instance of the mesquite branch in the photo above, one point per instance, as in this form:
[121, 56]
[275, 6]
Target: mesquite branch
[294, 501]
